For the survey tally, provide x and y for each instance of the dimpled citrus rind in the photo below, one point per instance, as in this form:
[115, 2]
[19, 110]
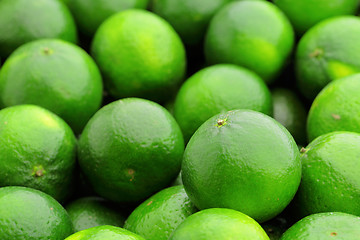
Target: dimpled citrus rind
[322, 57]
[140, 55]
[218, 224]
[29, 214]
[38, 150]
[330, 180]
[217, 89]
[240, 34]
[34, 74]
[325, 226]
[130, 149]
[336, 108]
[219, 151]
[165, 210]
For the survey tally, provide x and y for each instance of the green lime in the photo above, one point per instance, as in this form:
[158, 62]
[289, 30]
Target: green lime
[327, 52]
[90, 14]
[104, 233]
[336, 108]
[330, 170]
[91, 212]
[242, 160]
[219, 224]
[29, 214]
[178, 181]
[165, 210]
[325, 226]
[22, 21]
[218, 89]
[252, 34]
[56, 75]
[130, 149]
[304, 14]
[190, 18]
[290, 112]
[37, 150]
[140, 55]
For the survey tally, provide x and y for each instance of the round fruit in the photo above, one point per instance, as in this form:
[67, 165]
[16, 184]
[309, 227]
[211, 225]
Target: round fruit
[29, 214]
[131, 149]
[243, 160]
[140, 55]
[290, 112]
[22, 21]
[325, 226]
[219, 224]
[37, 150]
[105, 233]
[218, 89]
[190, 18]
[165, 210]
[91, 212]
[327, 52]
[304, 14]
[239, 33]
[90, 14]
[56, 75]
[330, 170]
[336, 108]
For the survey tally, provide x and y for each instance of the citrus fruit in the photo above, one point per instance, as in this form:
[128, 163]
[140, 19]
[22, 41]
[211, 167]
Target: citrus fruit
[29, 214]
[304, 14]
[336, 108]
[90, 14]
[104, 233]
[189, 18]
[37, 150]
[252, 34]
[161, 214]
[56, 75]
[22, 21]
[330, 180]
[219, 224]
[242, 160]
[130, 149]
[218, 89]
[325, 226]
[327, 52]
[290, 112]
[177, 181]
[91, 212]
[140, 55]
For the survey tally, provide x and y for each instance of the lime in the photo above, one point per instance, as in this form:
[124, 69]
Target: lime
[91, 212]
[22, 21]
[336, 108]
[56, 75]
[327, 52]
[219, 224]
[104, 233]
[218, 89]
[252, 34]
[304, 14]
[29, 214]
[161, 214]
[90, 14]
[130, 149]
[190, 18]
[330, 170]
[290, 112]
[140, 55]
[37, 150]
[325, 226]
[243, 160]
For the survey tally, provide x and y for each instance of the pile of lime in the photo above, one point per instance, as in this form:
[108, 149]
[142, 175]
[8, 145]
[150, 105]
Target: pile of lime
[179, 119]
